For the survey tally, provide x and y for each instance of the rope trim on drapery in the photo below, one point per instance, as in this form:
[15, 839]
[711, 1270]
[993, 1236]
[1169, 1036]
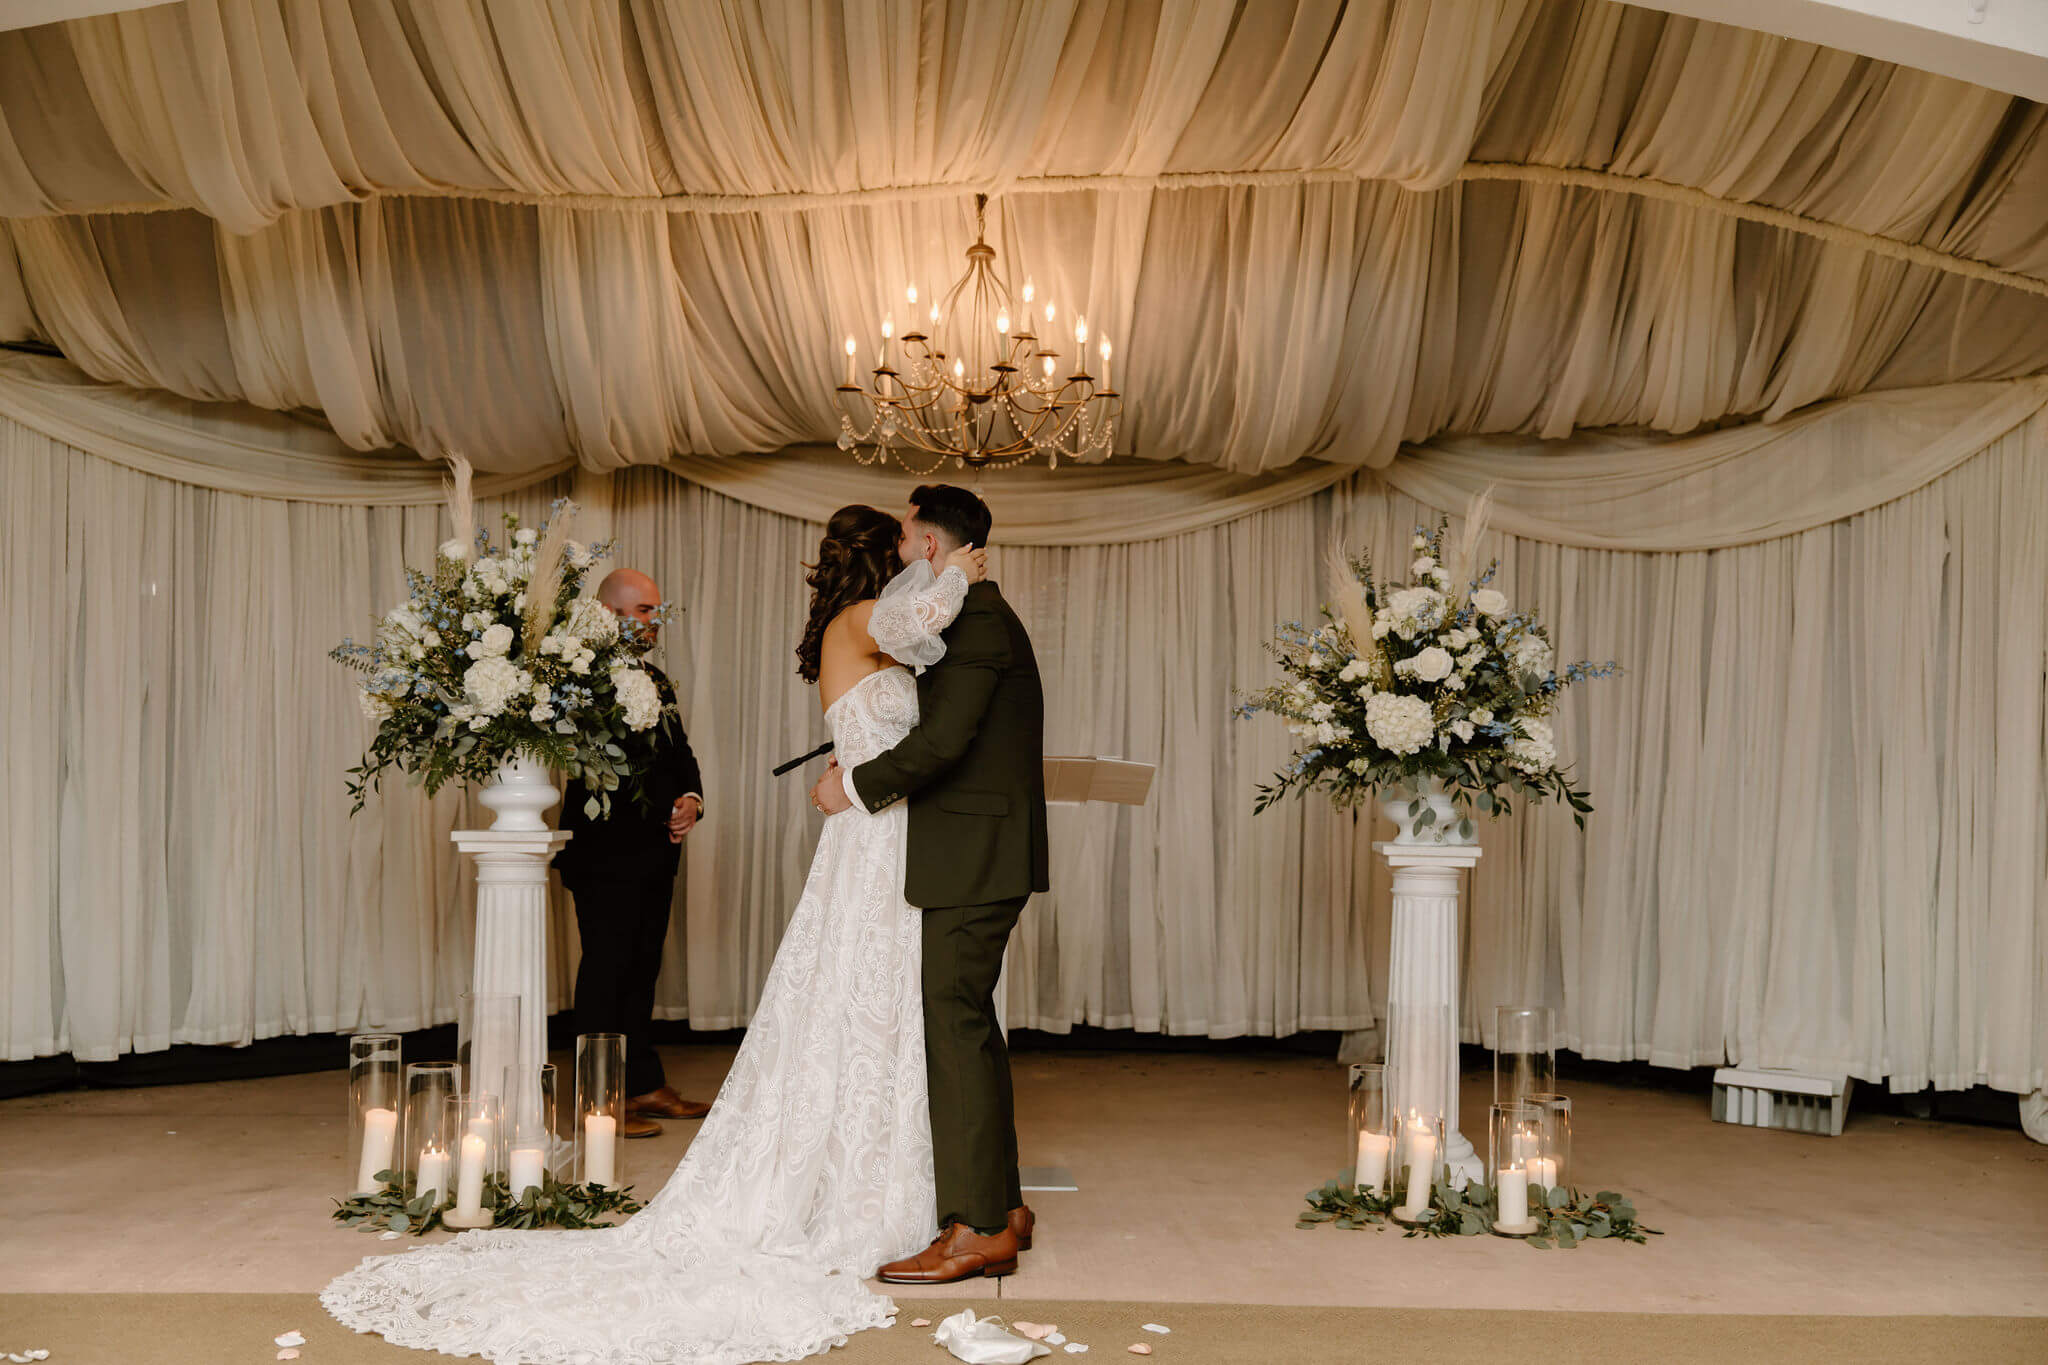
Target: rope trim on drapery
[1608, 182]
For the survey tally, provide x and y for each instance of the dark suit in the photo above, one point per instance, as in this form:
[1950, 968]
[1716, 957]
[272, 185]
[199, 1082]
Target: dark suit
[974, 775]
[621, 869]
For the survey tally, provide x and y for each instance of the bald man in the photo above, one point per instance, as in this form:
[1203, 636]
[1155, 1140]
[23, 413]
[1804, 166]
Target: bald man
[621, 869]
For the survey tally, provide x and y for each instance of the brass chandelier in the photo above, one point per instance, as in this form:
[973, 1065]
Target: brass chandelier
[974, 382]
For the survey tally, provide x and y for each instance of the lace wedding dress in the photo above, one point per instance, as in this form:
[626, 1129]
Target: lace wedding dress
[814, 1166]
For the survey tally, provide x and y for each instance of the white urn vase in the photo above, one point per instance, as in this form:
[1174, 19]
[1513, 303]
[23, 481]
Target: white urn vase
[1441, 832]
[521, 793]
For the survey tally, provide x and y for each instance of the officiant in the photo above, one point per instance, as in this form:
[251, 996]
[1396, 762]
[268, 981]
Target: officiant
[621, 870]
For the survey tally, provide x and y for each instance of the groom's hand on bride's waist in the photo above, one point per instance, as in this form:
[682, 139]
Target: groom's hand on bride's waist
[829, 795]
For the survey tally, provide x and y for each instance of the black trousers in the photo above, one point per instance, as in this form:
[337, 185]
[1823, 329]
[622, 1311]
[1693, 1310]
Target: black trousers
[967, 1065]
[622, 917]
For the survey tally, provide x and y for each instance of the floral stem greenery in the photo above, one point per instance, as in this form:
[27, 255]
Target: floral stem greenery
[395, 1208]
[1564, 1217]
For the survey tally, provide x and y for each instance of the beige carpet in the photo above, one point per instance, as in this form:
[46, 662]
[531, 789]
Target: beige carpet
[230, 1329]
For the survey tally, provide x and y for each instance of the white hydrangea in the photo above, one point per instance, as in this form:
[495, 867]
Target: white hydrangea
[1422, 566]
[525, 535]
[1454, 683]
[637, 693]
[1531, 653]
[374, 707]
[1353, 671]
[1321, 712]
[405, 619]
[590, 620]
[493, 683]
[1400, 725]
[494, 643]
[1327, 733]
[1535, 749]
[1414, 610]
[455, 549]
[1431, 665]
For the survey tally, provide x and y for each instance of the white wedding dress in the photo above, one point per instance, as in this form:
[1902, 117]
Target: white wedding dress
[814, 1166]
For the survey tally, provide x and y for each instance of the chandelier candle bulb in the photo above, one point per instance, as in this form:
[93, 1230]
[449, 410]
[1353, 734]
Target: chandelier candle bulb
[380, 1131]
[1104, 351]
[1081, 331]
[849, 362]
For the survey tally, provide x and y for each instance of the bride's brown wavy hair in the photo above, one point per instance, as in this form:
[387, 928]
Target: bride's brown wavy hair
[855, 559]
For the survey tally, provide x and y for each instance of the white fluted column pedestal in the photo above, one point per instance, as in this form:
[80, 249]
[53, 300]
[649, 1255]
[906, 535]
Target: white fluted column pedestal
[512, 931]
[1422, 990]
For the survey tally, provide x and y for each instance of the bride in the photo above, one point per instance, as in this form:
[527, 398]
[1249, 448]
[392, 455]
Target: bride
[815, 1164]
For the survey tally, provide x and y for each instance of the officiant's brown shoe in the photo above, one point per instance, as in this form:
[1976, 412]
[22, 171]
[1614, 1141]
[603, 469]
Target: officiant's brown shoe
[637, 1127]
[960, 1253]
[1022, 1221]
[665, 1103]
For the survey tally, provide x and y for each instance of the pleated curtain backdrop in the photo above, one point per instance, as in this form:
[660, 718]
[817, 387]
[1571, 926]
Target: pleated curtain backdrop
[1819, 839]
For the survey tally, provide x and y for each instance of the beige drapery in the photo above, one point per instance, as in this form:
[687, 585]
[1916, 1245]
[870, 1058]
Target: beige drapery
[1821, 787]
[631, 229]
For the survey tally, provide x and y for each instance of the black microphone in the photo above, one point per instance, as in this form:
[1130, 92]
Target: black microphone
[818, 752]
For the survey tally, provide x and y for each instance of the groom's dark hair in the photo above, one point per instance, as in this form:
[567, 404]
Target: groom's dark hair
[954, 511]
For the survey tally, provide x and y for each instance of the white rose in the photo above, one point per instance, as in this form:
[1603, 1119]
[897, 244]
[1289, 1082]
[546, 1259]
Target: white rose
[1482, 717]
[374, 707]
[1432, 664]
[1400, 725]
[432, 639]
[1531, 654]
[578, 555]
[1463, 729]
[638, 695]
[453, 549]
[526, 535]
[492, 683]
[582, 662]
[1421, 542]
[519, 602]
[541, 712]
[494, 643]
[1487, 602]
[418, 651]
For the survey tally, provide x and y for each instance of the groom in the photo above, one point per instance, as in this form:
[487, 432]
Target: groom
[974, 776]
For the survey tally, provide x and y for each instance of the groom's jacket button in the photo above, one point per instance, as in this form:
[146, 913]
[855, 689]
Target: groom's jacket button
[974, 803]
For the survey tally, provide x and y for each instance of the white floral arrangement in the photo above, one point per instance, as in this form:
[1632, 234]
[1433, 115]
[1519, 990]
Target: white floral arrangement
[495, 655]
[1408, 686]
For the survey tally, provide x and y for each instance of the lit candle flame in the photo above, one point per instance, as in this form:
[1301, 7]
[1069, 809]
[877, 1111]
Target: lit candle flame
[911, 294]
[1081, 330]
[1027, 290]
[888, 328]
[849, 345]
[1003, 323]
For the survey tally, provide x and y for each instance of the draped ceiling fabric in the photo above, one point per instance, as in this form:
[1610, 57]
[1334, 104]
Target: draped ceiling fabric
[633, 229]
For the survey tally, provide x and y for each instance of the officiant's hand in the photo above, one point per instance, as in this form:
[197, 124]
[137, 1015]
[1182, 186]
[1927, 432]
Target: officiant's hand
[829, 795]
[971, 560]
[683, 817]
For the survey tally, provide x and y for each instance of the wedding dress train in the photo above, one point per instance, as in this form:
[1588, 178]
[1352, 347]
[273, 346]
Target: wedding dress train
[813, 1168]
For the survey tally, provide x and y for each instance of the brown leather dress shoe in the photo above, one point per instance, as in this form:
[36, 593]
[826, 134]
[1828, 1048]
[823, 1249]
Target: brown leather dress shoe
[960, 1253]
[637, 1127]
[665, 1103]
[1022, 1221]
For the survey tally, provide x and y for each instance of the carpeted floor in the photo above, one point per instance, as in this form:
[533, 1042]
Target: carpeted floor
[231, 1329]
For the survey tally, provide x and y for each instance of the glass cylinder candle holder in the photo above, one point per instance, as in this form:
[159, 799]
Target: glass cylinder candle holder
[375, 1071]
[600, 1115]
[1550, 1167]
[532, 1155]
[1524, 1052]
[478, 1131]
[487, 1046]
[428, 1088]
[1371, 1134]
[1419, 1162]
[1513, 1141]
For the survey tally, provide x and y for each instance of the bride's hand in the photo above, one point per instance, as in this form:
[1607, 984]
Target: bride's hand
[971, 560]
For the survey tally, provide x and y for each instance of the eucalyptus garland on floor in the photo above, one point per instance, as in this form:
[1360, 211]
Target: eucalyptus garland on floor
[1565, 1217]
[394, 1208]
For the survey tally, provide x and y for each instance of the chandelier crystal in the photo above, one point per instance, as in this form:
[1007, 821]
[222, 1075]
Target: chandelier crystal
[973, 378]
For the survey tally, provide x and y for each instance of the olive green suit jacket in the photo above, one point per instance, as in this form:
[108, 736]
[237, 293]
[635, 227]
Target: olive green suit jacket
[973, 770]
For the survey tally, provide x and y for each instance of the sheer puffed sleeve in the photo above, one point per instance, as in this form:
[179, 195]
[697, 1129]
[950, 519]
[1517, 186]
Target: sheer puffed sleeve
[911, 612]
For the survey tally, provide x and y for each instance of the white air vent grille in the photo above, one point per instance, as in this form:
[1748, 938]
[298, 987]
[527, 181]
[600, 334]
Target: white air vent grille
[1789, 1100]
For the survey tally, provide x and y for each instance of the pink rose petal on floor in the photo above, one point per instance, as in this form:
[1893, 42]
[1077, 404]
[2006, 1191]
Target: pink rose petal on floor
[1139, 1349]
[1037, 1331]
[288, 1353]
[920, 1322]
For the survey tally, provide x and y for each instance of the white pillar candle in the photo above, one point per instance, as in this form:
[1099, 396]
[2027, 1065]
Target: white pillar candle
[1543, 1171]
[1513, 1187]
[1372, 1159]
[380, 1127]
[484, 1128]
[527, 1164]
[469, 1179]
[599, 1133]
[433, 1180]
[1421, 1174]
